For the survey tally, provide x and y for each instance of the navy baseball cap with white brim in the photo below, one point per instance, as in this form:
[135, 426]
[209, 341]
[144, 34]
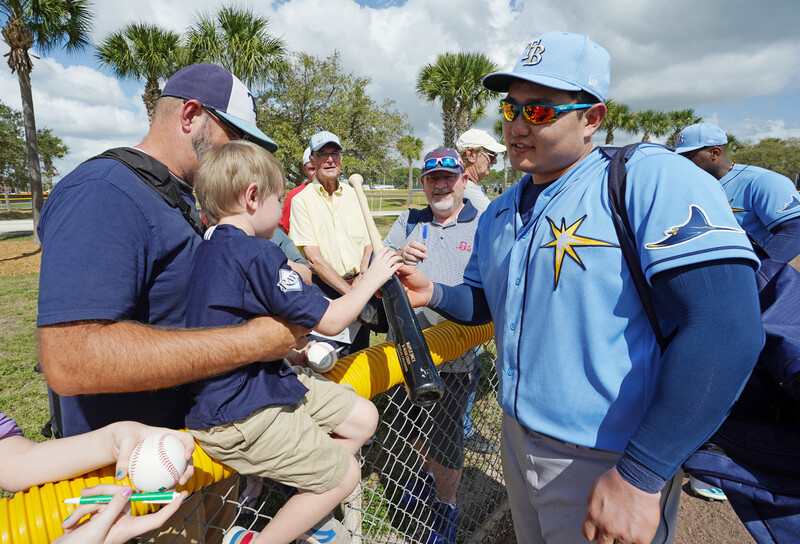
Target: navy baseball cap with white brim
[559, 60]
[221, 92]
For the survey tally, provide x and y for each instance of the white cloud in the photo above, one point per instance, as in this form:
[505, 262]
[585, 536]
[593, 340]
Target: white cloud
[713, 56]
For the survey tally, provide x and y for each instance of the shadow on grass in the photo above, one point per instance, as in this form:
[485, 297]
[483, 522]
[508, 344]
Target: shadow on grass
[20, 236]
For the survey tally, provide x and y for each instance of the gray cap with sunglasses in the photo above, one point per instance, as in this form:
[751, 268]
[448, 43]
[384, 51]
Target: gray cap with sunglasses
[223, 95]
[560, 60]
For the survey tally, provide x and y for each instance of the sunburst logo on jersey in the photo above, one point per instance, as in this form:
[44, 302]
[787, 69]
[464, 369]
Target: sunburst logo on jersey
[566, 240]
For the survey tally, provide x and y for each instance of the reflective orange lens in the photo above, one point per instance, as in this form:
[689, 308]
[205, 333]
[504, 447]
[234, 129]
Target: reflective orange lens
[509, 112]
[539, 114]
[534, 114]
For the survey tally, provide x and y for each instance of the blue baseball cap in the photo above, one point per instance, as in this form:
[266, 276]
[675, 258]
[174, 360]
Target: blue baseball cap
[442, 159]
[560, 60]
[221, 92]
[321, 139]
[699, 135]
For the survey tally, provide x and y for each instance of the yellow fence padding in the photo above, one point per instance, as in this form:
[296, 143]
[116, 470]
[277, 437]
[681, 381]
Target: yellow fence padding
[34, 516]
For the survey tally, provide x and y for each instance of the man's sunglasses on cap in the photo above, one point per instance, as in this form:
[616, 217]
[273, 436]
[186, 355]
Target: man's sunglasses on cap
[538, 114]
[237, 132]
[447, 162]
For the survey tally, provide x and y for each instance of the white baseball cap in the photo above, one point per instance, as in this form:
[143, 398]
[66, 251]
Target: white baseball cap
[475, 137]
[307, 156]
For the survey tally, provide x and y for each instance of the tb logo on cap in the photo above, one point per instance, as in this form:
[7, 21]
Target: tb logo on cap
[533, 53]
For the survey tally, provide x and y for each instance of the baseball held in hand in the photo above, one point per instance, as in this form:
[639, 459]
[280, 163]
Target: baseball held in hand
[157, 463]
[322, 357]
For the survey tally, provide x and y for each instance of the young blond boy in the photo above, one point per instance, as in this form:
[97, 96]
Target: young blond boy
[285, 423]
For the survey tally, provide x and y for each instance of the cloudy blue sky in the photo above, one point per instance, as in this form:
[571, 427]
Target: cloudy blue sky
[736, 62]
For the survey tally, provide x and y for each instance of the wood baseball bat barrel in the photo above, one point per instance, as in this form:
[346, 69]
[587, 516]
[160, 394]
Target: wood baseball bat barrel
[423, 384]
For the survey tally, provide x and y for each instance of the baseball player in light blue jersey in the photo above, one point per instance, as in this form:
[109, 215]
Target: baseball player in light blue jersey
[592, 408]
[765, 203]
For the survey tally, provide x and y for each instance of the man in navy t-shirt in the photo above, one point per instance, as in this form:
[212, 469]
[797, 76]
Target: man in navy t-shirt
[115, 262]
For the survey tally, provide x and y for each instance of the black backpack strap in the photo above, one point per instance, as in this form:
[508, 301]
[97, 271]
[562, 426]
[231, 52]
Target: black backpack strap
[617, 176]
[159, 178]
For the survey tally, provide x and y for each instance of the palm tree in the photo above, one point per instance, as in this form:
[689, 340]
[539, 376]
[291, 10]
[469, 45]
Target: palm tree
[734, 144]
[455, 80]
[652, 122]
[618, 116]
[238, 40]
[45, 24]
[51, 147]
[680, 119]
[410, 148]
[142, 51]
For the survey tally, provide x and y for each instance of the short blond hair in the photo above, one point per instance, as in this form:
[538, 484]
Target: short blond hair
[226, 171]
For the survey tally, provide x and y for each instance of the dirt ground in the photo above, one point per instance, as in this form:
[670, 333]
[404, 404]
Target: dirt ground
[699, 521]
[19, 257]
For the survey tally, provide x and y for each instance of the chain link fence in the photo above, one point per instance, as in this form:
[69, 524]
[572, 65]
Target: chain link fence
[376, 512]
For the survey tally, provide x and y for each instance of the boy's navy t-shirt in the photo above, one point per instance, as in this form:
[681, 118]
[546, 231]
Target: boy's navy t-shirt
[234, 278]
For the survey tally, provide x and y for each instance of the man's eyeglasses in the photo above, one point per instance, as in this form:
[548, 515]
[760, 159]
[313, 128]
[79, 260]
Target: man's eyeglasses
[447, 162]
[491, 155]
[538, 114]
[335, 155]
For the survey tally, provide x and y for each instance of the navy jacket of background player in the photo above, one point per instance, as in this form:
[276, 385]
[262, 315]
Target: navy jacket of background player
[765, 203]
[554, 226]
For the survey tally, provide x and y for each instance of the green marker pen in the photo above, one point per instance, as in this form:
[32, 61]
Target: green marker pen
[149, 498]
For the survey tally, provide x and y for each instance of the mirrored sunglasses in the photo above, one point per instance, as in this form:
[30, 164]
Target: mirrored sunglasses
[447, 162]
[538, 114]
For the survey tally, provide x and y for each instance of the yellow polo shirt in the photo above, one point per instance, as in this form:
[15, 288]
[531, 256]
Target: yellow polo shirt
[331, 222]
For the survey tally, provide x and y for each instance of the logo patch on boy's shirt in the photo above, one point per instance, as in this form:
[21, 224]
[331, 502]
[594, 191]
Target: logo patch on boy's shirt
[289, 281]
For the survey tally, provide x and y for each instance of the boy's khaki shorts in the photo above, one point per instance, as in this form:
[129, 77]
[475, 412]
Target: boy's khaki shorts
[289, 444]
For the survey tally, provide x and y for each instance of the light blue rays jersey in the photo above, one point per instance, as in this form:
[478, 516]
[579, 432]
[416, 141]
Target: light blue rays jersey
[760, 199]
[577, 358]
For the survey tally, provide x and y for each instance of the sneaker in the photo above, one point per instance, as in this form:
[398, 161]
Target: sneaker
[417, 490]
[480, 444]
[706, 491]
[238, 535]
[444, 526]
[328, 531]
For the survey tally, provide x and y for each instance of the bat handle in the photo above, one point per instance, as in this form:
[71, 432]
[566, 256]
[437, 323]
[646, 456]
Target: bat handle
[356, 182]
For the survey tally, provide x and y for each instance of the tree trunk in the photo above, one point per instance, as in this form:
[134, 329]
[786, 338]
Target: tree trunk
[449, 118]
[505, 168]
[34, 174]
[5, 193]
[610, 137]
[410, 183]
[463, 121]
[151, 94]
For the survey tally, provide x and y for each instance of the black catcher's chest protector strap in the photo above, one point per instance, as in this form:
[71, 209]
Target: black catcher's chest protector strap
[157, 176]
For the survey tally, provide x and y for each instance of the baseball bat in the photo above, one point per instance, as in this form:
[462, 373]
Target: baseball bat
[423, 385]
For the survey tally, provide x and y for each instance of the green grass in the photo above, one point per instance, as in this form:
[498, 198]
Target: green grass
[23, 394]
